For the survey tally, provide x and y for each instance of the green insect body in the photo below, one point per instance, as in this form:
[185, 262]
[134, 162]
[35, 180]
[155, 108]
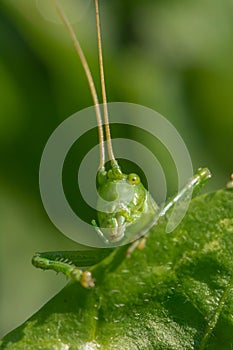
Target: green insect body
[124, 206]
[125, 209]
[71, 263]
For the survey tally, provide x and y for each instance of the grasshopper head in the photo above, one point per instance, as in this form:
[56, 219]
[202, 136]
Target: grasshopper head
[122, 200]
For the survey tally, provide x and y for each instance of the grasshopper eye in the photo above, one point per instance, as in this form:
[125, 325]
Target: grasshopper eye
[133, 179]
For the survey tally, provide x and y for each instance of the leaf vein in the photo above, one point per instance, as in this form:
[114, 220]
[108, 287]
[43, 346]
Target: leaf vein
[214, 319]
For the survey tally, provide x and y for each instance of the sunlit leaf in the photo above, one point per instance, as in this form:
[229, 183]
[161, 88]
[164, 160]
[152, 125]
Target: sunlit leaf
[174, 294]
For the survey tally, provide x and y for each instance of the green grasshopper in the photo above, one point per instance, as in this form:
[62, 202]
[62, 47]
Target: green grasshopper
[131, 207]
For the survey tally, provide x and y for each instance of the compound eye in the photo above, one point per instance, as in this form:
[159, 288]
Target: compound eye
[133, 179]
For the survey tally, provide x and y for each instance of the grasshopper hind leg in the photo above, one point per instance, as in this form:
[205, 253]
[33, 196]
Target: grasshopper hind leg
[61, 263]
[194, 185]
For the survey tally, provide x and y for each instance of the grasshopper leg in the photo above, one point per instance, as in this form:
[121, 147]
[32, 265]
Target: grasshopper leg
[194, 184]
[63, 264]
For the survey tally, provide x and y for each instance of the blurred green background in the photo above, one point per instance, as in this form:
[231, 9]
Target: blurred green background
[172, 56]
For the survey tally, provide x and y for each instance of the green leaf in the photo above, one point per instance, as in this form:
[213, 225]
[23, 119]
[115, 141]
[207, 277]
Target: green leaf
[176, 293]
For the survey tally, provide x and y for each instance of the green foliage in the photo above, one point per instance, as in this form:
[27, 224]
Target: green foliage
[174, 294]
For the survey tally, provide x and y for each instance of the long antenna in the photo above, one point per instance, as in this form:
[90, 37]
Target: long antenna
[88, 75]
[103, 88]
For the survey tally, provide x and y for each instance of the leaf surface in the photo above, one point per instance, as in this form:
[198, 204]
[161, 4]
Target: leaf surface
[176, 293]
